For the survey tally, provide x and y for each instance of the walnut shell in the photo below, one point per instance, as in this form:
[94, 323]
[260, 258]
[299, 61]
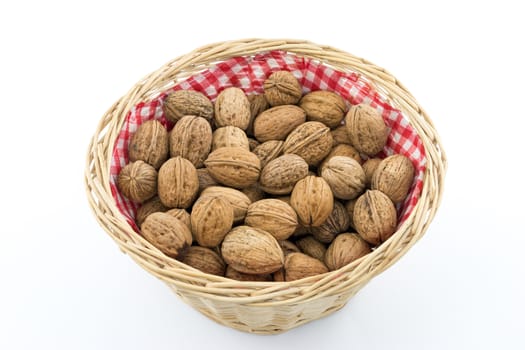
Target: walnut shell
[282, 88]
[229, 136]
[369, 168]
[254, 192]
[345, 177]
[349, 206]
[211, 220]
[366, 129]
[277, 122]
[312, 200]
[234, 166]
[205, 179]
[311, 141]
[345, 248]
[178, 183]
[299, 265]
[273, 216]
[205, 260]
[278, 276]
[182, 215]
[187, 102]
[288, 247]
[238, 200]
[312, 247]
[150, 143]
[268, 151]
[232, 108]
[138, 181]
[239, 276]
[341, 150]
[280, 175]
[150, 206]
[375, 217]
[337, 222]
[394, 177]
[253, 251]
[253, 143]
[258, 104]
[324, 106]
[166, 233]
[340, 136]
[191, 138]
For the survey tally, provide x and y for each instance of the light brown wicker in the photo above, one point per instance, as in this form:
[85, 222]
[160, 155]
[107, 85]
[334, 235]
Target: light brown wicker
[262, 307]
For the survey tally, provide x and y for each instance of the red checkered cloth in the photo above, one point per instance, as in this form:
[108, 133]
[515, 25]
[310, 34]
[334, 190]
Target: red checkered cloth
[249, 73]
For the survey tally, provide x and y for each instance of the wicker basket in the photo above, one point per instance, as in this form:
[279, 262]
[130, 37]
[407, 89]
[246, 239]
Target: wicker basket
[262, 307]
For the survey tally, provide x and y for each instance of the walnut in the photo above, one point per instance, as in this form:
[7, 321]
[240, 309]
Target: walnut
[138, 181]
[150, 144]
[366, 129]
[282, 88]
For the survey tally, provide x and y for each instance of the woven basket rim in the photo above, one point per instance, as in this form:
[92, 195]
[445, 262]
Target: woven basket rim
[185, 278]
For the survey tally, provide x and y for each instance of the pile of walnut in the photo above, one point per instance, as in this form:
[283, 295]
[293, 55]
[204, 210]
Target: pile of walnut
[265, 187]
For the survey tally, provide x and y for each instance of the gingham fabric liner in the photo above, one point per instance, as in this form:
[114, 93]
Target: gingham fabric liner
[249, 73]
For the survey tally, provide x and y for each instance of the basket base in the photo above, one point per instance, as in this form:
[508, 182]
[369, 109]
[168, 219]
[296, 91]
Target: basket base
[265, 320]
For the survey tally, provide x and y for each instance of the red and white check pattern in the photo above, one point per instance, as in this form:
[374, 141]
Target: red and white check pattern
[249, 73]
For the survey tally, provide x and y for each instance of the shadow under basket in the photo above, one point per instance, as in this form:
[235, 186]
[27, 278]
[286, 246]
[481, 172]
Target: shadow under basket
[266, 307]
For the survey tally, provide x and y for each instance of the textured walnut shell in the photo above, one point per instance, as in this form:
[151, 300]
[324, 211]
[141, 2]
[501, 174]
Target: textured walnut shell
[211, 220]
[268, 151]
[254, 192]
[178, 183]
[349, 206]
[234, 166]
[229, 136]
[166, 233]
[253, 251]
[312, 200]
[337, 222]
[394, 177]
[150, 143]
[152, 205]
[299, 265]
[312, 247]
[238, 200]
[282, 88]
[288, 247]
[273, 216]
[278, 276]
[191, 138]
[232, 108]
[205, 179]
[258, 104]
[253, 143]
[345, 248]
[375, 217]
[280, 175]
[138, 181]
[205, 260]
[345, 177]
[277, 122]
[366, 129]
[344, 151]
[239, 276]
[369, 168]
[312, 141]
[340, 136]
[182, 215]
[324, 106]
[187, 102]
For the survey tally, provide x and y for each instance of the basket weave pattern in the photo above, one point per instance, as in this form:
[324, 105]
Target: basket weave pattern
[266, 307]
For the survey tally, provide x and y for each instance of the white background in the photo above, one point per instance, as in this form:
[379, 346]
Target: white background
[64, 284]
